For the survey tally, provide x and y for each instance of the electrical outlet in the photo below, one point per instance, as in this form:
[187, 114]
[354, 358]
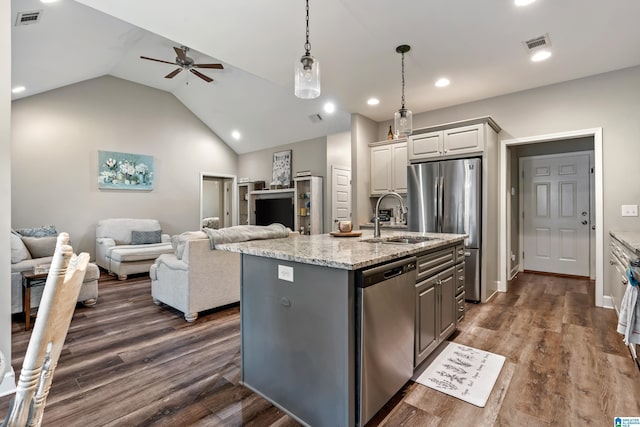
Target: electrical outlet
[629, 210]
[285, 273]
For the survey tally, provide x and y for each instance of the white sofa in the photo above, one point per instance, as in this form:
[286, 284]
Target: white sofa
[194, 277]
[129, 246]
[22, 260]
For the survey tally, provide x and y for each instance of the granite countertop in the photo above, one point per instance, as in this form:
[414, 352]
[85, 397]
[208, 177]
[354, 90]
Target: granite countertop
[349, 253]
[631, 239]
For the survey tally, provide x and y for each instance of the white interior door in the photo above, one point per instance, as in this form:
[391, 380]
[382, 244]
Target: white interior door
[340, 195]
[556, 218]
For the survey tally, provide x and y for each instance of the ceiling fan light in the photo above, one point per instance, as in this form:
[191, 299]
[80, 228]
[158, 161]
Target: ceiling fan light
[307, 78]
[403, 122]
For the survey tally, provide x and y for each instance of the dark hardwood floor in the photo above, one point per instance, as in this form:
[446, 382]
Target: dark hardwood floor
[128, 362]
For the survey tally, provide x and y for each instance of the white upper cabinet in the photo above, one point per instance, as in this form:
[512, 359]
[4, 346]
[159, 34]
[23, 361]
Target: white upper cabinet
[388, 168]
[449, 140]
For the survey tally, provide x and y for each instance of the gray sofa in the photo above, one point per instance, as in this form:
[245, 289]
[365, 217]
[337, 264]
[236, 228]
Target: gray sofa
[24, 260]
[129, 246]
[194, 277]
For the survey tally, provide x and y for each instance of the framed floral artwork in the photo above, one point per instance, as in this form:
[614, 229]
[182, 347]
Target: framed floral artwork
[125, 171]
[281, 175]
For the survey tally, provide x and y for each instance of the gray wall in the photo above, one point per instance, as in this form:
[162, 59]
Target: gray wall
[5, 190]
[212, 197]
[607, 100]
[305, 155]
[363, 131]
[56, 136]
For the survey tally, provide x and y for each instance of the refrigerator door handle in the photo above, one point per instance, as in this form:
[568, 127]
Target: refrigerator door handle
[440, 202]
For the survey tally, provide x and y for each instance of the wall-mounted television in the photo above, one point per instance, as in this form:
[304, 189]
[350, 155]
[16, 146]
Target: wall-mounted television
[269, 211]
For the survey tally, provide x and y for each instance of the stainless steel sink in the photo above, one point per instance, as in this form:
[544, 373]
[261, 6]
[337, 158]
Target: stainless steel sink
[402, 240]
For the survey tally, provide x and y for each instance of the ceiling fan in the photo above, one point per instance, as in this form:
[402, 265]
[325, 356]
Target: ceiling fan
[186, 63]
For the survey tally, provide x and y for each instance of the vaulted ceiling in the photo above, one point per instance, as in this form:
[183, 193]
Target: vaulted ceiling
[478, 45]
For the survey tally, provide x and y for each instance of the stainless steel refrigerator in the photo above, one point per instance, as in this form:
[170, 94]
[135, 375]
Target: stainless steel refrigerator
[446, 197]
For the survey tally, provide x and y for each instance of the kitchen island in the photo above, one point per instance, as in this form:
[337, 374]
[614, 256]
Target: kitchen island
[298, 316]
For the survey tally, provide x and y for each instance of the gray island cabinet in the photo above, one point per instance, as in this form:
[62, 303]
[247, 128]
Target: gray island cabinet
[298, 305]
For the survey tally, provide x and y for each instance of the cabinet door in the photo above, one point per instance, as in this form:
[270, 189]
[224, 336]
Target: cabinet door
[466, 139]
[380, 169]
[399, 156]
[426, 145]
[426, 329]
[447, 303]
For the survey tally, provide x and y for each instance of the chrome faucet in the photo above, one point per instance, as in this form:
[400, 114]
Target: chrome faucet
[376, 218]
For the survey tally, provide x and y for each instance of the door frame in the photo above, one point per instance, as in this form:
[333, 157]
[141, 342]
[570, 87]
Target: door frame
[234, 195]
[589, 155]
[505, 223]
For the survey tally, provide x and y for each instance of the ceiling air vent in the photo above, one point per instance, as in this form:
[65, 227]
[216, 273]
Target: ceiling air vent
[315, 118]
[27, 18]
[538, 42]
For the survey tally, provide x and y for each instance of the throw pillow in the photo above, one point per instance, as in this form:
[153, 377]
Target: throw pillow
[42, 231]
[40, 247]
[19, 251]
[146, 237]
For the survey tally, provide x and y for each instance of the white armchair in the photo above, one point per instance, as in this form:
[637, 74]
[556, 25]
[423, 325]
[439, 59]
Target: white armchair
[128, 246]
[195, 278]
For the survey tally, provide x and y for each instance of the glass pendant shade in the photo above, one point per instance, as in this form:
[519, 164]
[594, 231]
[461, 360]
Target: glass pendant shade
[403, 123]
[307, 78]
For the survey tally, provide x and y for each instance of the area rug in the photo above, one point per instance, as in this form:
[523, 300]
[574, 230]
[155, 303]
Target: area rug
[463, 372]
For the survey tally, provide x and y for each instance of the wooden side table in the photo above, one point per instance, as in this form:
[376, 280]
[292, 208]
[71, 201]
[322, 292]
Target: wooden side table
[30, 280]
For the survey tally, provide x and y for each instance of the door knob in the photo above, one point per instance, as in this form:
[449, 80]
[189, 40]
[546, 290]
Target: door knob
[584, 213]
[584, 222]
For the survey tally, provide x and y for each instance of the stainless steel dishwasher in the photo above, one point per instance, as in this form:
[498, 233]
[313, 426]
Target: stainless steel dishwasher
[385, 322]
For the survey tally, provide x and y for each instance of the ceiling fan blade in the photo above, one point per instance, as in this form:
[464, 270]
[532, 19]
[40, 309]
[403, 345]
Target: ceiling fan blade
[173, 73]
[157, 60]
[218, 66]
[202, 76]
[180, 53]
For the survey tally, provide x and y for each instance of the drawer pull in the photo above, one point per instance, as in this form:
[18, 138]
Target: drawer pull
[624, 281]
[461, 278]
[461, 309]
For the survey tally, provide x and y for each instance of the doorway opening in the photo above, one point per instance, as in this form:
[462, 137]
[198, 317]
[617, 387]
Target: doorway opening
[218, 200]
[589, 140]
[555, 198]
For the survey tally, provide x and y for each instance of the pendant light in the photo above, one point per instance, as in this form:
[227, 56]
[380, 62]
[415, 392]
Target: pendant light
[403, 118]
[307, 71]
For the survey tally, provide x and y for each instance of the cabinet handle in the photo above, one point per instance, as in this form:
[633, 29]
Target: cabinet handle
[461, 278]
[461, 309]
[624, 281]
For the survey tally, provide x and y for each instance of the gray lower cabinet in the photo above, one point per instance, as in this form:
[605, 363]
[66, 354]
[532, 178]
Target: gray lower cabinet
[437, 306]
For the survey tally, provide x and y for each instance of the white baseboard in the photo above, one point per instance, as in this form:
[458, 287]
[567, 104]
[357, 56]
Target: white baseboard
[8, 383]
[607, 302]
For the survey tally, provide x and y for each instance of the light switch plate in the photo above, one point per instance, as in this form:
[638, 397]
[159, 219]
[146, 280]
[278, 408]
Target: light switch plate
[629, 210]
[285, 273]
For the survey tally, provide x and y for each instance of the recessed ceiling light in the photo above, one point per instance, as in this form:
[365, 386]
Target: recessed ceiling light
[443, 82]
[522, 2]
[373, 101]
[235, 134]
[48, 1]
[329, 108]
[541, 55]
[18, 89]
